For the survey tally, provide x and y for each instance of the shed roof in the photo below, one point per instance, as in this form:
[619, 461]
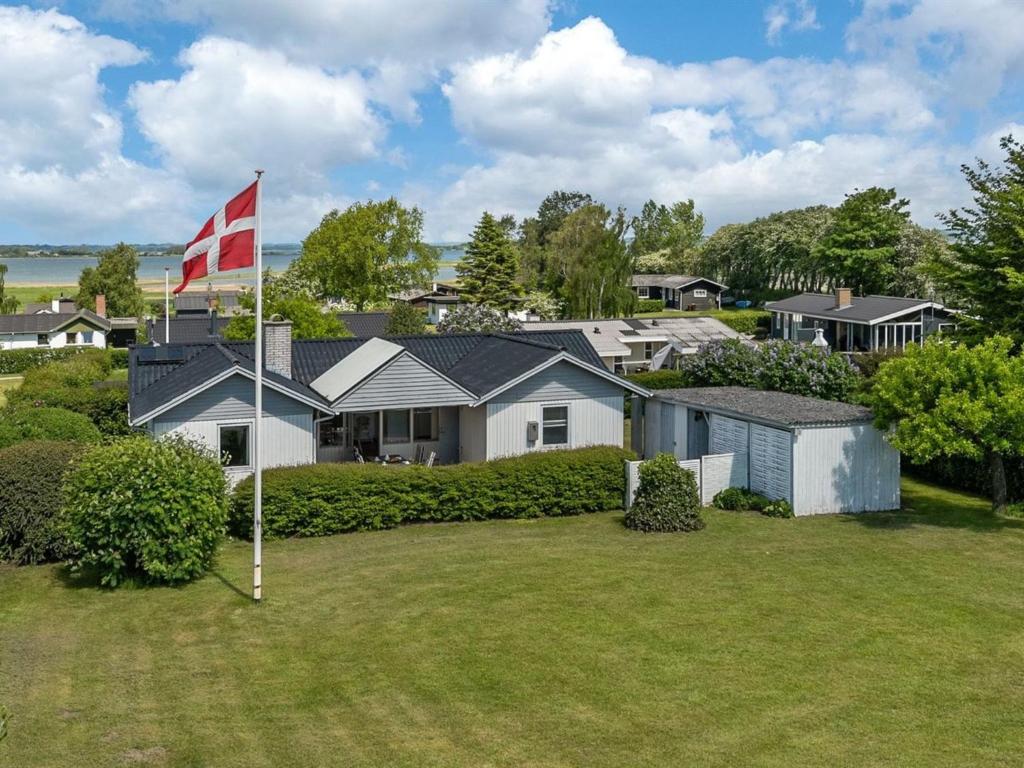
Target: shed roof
[863, 309]
[779, 408]
[609, 337]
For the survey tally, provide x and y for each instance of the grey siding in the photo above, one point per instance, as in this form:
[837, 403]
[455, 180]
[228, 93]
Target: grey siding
[403, 383]
[593, 421]
[233, 398]
[473, 433]
[844, 469]
[561, 381]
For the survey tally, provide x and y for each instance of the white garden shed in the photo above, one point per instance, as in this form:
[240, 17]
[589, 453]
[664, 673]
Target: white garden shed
[819, 455]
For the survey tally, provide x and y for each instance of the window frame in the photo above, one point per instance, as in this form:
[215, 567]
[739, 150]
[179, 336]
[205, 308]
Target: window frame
[384, 439]
[434, 418]
[643, 291]
[700, 293]
[248, 426]
[544, 422]
[42, 340]
[648, 350]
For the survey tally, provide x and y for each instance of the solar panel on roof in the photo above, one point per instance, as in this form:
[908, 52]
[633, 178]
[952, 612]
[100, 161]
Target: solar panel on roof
[160, 354]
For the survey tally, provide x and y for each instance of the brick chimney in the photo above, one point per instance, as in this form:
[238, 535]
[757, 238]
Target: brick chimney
[277, 347]
[101, 305]
[844, 297]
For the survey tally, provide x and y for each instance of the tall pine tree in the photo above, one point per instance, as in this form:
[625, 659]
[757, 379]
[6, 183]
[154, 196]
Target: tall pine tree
[487, 273]
[985, 278]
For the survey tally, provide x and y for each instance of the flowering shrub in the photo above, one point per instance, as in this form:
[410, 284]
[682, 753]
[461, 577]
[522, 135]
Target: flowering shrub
[476, 318]
[775, 365]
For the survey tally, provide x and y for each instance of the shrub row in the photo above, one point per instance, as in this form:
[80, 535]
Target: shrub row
[26, 423]
[748, 322]
[743, 499]
[663, 379]
[650, 305]
[13, 361]
[323, 499]
[31, 475]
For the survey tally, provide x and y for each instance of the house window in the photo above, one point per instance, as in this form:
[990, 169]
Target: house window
[234, 445]
[648, 350]
[555, 425]
[700, 293]
[424, 424]
[87, 337]
[333, 431]
[643, 292]
[396, 426]
[42, 339]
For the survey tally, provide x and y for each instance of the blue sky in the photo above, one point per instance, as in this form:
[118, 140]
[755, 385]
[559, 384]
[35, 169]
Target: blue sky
[133, 119]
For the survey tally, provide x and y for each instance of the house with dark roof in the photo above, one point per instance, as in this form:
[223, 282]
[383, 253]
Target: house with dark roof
[79, 328]
[463, 397]
[198, 329]
[200, 303]
[858, 323]
[680, 291]
[821, 456]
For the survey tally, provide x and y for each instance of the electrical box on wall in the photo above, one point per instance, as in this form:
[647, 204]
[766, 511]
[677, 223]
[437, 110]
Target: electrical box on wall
[532, 431]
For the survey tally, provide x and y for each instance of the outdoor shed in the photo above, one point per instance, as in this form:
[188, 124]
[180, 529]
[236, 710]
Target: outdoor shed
[821, 456]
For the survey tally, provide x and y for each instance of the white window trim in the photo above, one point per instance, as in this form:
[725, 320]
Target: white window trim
[568, 425]
[251, 424]
[643, 291]
[700, 293]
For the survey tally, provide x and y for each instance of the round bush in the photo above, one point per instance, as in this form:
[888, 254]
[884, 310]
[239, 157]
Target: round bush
[31, 474]
[780, 508]
[26, 423]
[152, 510]
[666, 499]
[735, 499]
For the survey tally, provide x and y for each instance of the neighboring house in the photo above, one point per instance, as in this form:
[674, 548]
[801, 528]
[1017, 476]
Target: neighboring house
[201, 303]
[858, 323]
[61, 305]
[820, 456]
[197, 329]
[436, 301]
[466, 397]
[680, 291]
[48, 329]
[632, 344]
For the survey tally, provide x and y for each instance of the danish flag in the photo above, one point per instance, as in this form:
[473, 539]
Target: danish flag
[227, 241]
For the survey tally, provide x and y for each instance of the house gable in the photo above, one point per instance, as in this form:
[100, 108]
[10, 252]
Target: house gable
[404, 382]
[561, 381]
[232, 398]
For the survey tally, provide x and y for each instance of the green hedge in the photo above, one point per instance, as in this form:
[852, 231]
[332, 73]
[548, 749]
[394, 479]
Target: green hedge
[31, 474]
[18, 424]
[650, 305]
[751, 322]
[663, 379]
[14, 361]
[324, 499]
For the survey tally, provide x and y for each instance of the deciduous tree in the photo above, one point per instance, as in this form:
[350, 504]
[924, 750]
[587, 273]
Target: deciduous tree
[949, 399]
[309, 320]
[593, 262]
[367, 252]
[406, 319]
[115, 277]
[8, 304]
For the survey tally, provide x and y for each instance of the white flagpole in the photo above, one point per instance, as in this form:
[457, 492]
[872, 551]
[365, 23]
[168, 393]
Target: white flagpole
[167, 305]
[257, 522]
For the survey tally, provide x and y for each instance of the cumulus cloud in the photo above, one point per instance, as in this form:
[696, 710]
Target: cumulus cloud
[239, 107]
[399, 44]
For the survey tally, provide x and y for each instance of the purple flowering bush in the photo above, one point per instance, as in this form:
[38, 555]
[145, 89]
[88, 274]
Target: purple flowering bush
[775, 365]
[476, 318]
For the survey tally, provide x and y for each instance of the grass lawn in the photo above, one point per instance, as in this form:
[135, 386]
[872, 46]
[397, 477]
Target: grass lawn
[884, 639]
[7, 383]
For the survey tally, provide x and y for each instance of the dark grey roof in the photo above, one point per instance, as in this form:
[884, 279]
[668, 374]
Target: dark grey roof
[366, 325]
[49, 322]
[673, 281]
[771, 407]
[477, 361]
[864, 309]
[200, 300]
[66, 305]
[192, 329]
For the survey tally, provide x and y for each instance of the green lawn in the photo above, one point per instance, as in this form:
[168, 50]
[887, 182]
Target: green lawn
[885, 639]
[7, 383]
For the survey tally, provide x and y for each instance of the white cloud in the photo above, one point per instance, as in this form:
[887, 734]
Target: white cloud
[51, 104]
[798, 15]
[400, 44]
[969, 47]
[237, 108]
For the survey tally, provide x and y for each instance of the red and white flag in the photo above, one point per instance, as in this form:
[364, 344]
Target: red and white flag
[227, 241]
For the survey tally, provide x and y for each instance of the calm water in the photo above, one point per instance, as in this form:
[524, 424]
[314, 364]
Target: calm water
[64, 270]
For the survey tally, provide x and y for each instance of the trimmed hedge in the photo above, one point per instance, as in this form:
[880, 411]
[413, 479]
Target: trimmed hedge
[14, 361]
[18, 424]
[663, 379]
[650, 305]
[324, 499]
[737, 499]
[751, 322]
[31, 474]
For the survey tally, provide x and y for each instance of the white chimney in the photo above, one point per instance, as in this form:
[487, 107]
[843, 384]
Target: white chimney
[277, 347]
[55, 305]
